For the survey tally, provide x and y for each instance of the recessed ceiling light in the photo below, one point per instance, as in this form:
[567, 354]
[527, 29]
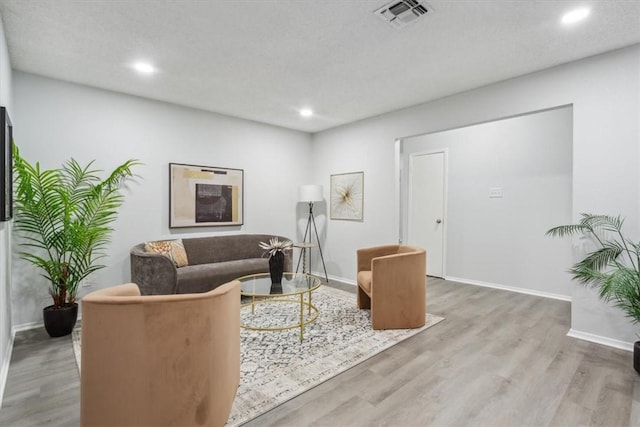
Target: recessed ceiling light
[306, 112]
[144, 68]
[575, 16]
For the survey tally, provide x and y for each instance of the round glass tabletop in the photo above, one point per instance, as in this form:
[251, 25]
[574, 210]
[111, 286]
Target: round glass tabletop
[292, 284]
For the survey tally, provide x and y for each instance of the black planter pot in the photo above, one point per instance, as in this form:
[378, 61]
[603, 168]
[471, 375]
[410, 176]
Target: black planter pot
[276, 267]
[636, 356]
[60, 321]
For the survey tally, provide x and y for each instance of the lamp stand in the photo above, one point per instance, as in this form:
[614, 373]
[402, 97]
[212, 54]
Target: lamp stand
[307, 232]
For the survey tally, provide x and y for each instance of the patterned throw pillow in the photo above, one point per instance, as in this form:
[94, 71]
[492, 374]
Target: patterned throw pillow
[172, 249]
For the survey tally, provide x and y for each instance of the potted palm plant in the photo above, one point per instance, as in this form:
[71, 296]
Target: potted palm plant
[64, 216]
[613, 267]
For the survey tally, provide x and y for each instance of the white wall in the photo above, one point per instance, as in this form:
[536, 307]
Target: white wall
[5, 233]
[605, 93]
[501, 241]
[55, 120]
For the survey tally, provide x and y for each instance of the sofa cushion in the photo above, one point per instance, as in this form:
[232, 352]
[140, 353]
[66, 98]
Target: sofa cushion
[172, 249]
[206, 250]
[205, 277]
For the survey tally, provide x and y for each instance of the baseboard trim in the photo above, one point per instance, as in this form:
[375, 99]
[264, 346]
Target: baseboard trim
[35, 325]
[4, 372]
[27, 327]
[336, 278]
[510, 288]
[609, 342]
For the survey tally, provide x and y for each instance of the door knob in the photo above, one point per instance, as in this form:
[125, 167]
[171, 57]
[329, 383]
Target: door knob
[438, 221]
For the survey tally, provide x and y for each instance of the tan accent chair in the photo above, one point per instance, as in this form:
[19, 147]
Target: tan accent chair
[159, 360]
[392, 283]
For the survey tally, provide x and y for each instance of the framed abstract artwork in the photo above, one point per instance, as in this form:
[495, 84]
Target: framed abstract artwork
[6, 163]
[347, 196]
[205, 196]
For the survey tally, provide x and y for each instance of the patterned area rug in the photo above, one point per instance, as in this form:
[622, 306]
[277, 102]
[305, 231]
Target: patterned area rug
[277, 367]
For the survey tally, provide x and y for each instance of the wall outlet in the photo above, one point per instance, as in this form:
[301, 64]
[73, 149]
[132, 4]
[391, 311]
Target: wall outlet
[495, 192]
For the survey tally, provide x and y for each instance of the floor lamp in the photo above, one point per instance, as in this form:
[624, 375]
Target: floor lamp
[310, 194]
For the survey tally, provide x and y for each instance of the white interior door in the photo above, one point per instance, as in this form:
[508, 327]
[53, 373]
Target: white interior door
[426, 224]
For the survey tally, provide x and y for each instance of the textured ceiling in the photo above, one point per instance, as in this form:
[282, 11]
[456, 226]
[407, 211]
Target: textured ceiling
[264, 60]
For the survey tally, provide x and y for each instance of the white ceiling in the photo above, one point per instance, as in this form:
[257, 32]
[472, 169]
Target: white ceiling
[263, 60]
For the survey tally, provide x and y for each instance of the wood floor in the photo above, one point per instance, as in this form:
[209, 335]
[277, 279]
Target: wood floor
[499, 359]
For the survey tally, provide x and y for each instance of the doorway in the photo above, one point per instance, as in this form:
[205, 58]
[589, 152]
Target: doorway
[426, 219]
[507, 182]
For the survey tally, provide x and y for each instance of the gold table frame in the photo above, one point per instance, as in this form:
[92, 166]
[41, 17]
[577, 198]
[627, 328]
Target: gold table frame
[289, 297]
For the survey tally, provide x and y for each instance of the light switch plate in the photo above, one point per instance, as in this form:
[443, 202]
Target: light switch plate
[495, 192]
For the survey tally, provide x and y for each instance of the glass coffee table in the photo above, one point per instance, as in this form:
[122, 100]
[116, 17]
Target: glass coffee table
[296, 288]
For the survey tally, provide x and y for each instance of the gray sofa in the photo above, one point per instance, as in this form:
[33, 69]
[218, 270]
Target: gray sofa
[213, 261]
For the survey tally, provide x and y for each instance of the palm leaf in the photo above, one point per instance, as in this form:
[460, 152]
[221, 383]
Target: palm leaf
[603, 257]
[622, 286]
[604, 222]
[567, 230]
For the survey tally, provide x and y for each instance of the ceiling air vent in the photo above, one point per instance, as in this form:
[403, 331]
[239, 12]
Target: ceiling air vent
[401, 13]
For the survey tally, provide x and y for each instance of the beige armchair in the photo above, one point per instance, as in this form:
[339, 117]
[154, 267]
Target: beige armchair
[161, 360]
[392, 283]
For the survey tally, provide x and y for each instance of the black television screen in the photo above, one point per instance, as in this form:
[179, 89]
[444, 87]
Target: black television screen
[6, 160]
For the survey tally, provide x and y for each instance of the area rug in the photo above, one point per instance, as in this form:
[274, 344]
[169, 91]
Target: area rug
[276, 366]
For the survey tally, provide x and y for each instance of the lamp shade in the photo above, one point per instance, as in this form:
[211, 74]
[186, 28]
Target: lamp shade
[310, 193]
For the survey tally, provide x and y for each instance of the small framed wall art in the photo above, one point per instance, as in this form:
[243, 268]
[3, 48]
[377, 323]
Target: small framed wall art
[204, 196]
[6, 162]
[347, 196]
